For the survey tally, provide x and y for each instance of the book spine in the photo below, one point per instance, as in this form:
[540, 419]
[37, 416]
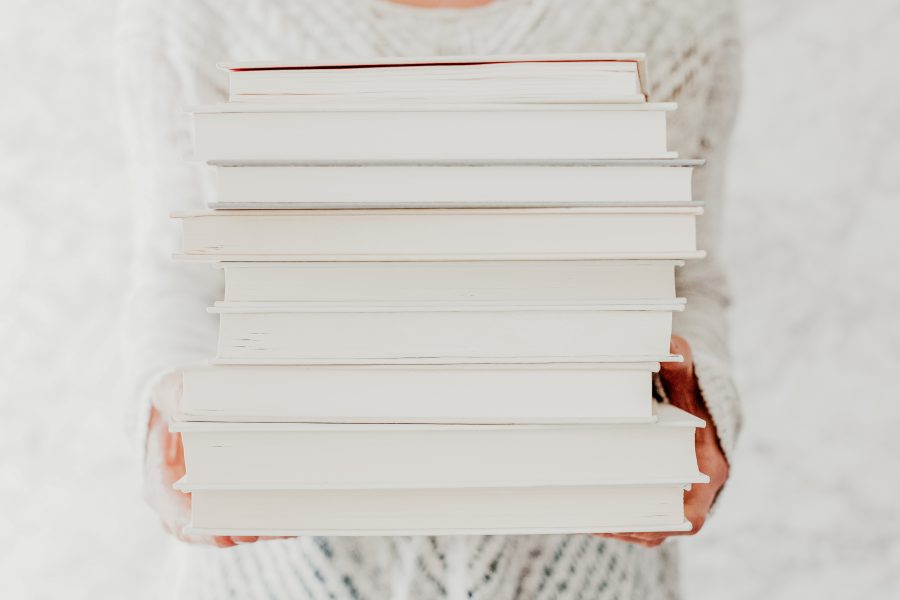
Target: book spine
[462, 282]
[408, 394]
[500, 186]
[423, 135]
[424, 457]
[433, 512]
[565, 335]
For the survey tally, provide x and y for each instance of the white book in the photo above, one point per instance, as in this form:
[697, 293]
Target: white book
[244, 131]
[222, 455]
[450, 393]
[329, 333]
[442, 234]
[472, 282]
[455, 511]
[396, 80]
[451, 184]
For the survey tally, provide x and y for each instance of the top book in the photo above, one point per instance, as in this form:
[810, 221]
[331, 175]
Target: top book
[513, 79]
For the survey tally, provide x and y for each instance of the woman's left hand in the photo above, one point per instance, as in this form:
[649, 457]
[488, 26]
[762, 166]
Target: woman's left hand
[682, 389]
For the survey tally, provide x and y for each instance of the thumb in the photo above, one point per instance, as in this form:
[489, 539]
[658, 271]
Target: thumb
[679, 381]
[678, 370]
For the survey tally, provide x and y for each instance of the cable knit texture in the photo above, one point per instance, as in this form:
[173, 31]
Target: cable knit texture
[168, 50]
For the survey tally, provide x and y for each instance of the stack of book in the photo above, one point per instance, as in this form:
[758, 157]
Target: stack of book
[448, 284]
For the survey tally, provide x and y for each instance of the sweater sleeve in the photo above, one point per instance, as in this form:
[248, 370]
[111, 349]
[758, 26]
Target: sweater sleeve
[703, 282]
[704, 326]
[167, 323]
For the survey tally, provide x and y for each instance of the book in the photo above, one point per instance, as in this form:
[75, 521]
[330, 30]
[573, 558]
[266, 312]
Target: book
[222, 455]
[452, 511]
[444, 79]
[325, 333]
[442, 234]
[449, 282]
[471, 282]
[243, 131]
[417, 184]
[440, 393]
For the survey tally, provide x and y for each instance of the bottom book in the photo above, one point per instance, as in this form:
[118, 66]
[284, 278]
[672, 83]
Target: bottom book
[439, 511]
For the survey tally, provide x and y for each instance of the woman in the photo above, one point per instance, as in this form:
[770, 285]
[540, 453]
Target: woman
[168, 53]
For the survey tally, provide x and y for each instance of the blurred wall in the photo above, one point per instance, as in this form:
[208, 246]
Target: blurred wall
[811, 244]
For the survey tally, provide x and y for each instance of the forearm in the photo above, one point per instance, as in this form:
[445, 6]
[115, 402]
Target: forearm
[167, 325]
[704, 326]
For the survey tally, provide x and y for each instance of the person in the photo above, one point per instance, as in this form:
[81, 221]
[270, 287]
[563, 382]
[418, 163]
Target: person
[167, 55]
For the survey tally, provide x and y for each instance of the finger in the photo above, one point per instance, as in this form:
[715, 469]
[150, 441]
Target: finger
[171, 443]
[244, 539]
[678, 374]
[711, 461]
[650, 536]
[640, 541]
[633, 539]
[680, 382]
[696, 511]
[669, 534]
[173, 466]
[679, 345]
[223, 541]
[632, 535]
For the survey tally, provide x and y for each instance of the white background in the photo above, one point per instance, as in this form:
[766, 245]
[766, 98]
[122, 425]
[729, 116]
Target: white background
[813, 222]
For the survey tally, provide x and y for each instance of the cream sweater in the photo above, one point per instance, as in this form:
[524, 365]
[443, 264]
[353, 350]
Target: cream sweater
[168, 50]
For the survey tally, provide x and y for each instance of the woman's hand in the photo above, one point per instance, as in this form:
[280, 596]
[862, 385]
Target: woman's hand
[164, 465]
[681, 387]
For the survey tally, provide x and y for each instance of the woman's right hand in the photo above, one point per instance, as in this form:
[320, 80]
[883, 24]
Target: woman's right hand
[164, 465]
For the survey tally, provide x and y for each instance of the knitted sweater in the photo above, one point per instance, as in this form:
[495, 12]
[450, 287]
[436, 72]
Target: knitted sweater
[168, 50]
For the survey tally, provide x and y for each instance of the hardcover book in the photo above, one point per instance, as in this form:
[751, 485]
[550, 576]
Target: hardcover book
[401, 80]
[469, 282]
[380, 456]
[255, 132]
[437, 511]
[299, 333]
[442, 234]
[451, 184]
[437, 393]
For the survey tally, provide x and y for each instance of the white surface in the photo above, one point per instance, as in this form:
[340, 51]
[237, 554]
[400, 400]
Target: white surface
[813, 214]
